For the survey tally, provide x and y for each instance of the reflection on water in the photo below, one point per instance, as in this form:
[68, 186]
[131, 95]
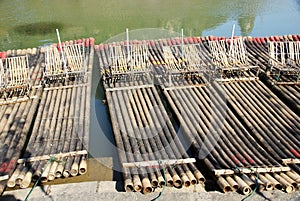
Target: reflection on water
[38, 28]
[103, 19]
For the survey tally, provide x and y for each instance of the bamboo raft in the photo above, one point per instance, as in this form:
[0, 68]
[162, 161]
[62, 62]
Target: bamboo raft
[236, 101]
[284, 80]
[210, 88]
[58, 113]
[16, 108]
[150, 152]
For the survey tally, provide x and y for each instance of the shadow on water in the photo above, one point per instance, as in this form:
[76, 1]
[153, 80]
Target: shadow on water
[102, 143]
[38, 28]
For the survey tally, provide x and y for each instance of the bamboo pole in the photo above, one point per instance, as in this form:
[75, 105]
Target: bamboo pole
[85, 141]
[64, 139]
[173, 138]
[45, 123]
[57, 130]
[52, 124]
[130, 143]
[146, 148]
[70, 143]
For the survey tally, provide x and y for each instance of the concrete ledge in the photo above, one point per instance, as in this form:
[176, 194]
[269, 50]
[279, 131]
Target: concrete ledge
[106, 190]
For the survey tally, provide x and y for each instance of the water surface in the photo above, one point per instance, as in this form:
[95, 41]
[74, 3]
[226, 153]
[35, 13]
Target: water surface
[103, 19]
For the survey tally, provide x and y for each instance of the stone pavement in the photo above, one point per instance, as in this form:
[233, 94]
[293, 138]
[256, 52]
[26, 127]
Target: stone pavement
[106, 190]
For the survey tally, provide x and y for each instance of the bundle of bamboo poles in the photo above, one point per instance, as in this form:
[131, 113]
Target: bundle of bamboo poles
[16, 116]
[59, 140]
[198, 121]
[144, 132]
[285, 87]
[245, 149]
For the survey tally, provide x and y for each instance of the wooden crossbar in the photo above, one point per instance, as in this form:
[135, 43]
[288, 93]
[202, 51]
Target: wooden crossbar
[130, 87]
[65, 87]
[290, 161]
[56, 156]
[236, 79]
[163, 163]
[3, 178]
[245, 170]
[185, 87]
[17, 100]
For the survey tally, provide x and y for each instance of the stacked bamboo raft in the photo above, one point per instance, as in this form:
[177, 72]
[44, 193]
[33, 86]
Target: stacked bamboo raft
[210, 84]
[150, 152]
[59, 140]
[17, 106]
[219, 138]
[282, 66]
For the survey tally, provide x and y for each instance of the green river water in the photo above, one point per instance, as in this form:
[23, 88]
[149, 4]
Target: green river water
[31, 23]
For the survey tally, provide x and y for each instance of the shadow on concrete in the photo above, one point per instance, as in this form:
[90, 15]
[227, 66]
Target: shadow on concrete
[8, 198]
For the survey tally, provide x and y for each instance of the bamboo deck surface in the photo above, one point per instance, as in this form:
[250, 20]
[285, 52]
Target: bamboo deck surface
[238, 125]
[50, 127]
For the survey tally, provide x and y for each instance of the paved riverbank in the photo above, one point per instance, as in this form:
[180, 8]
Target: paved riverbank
[106, 190]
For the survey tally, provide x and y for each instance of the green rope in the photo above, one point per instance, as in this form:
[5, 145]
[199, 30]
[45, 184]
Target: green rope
[52, 158]
[256, 185]
[164, 176]
[254, 190]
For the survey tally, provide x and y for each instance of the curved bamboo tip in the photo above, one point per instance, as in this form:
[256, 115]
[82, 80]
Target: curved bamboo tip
[44, 177]
[59, 171]
[128, 185]
[233, 184]
[191, 177]
[66, 173]
[137, 184]
[289, 188]
[27, 180]
[269, 186]
[51, 175]
[83, 167]
[161, 181]
[177, 181]
[11, 183]
[146, 186]
[185, 180]
[169, 180]
[246, 190]
[74, 169]
[154, 183]
[223, 184]
[199, 177]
